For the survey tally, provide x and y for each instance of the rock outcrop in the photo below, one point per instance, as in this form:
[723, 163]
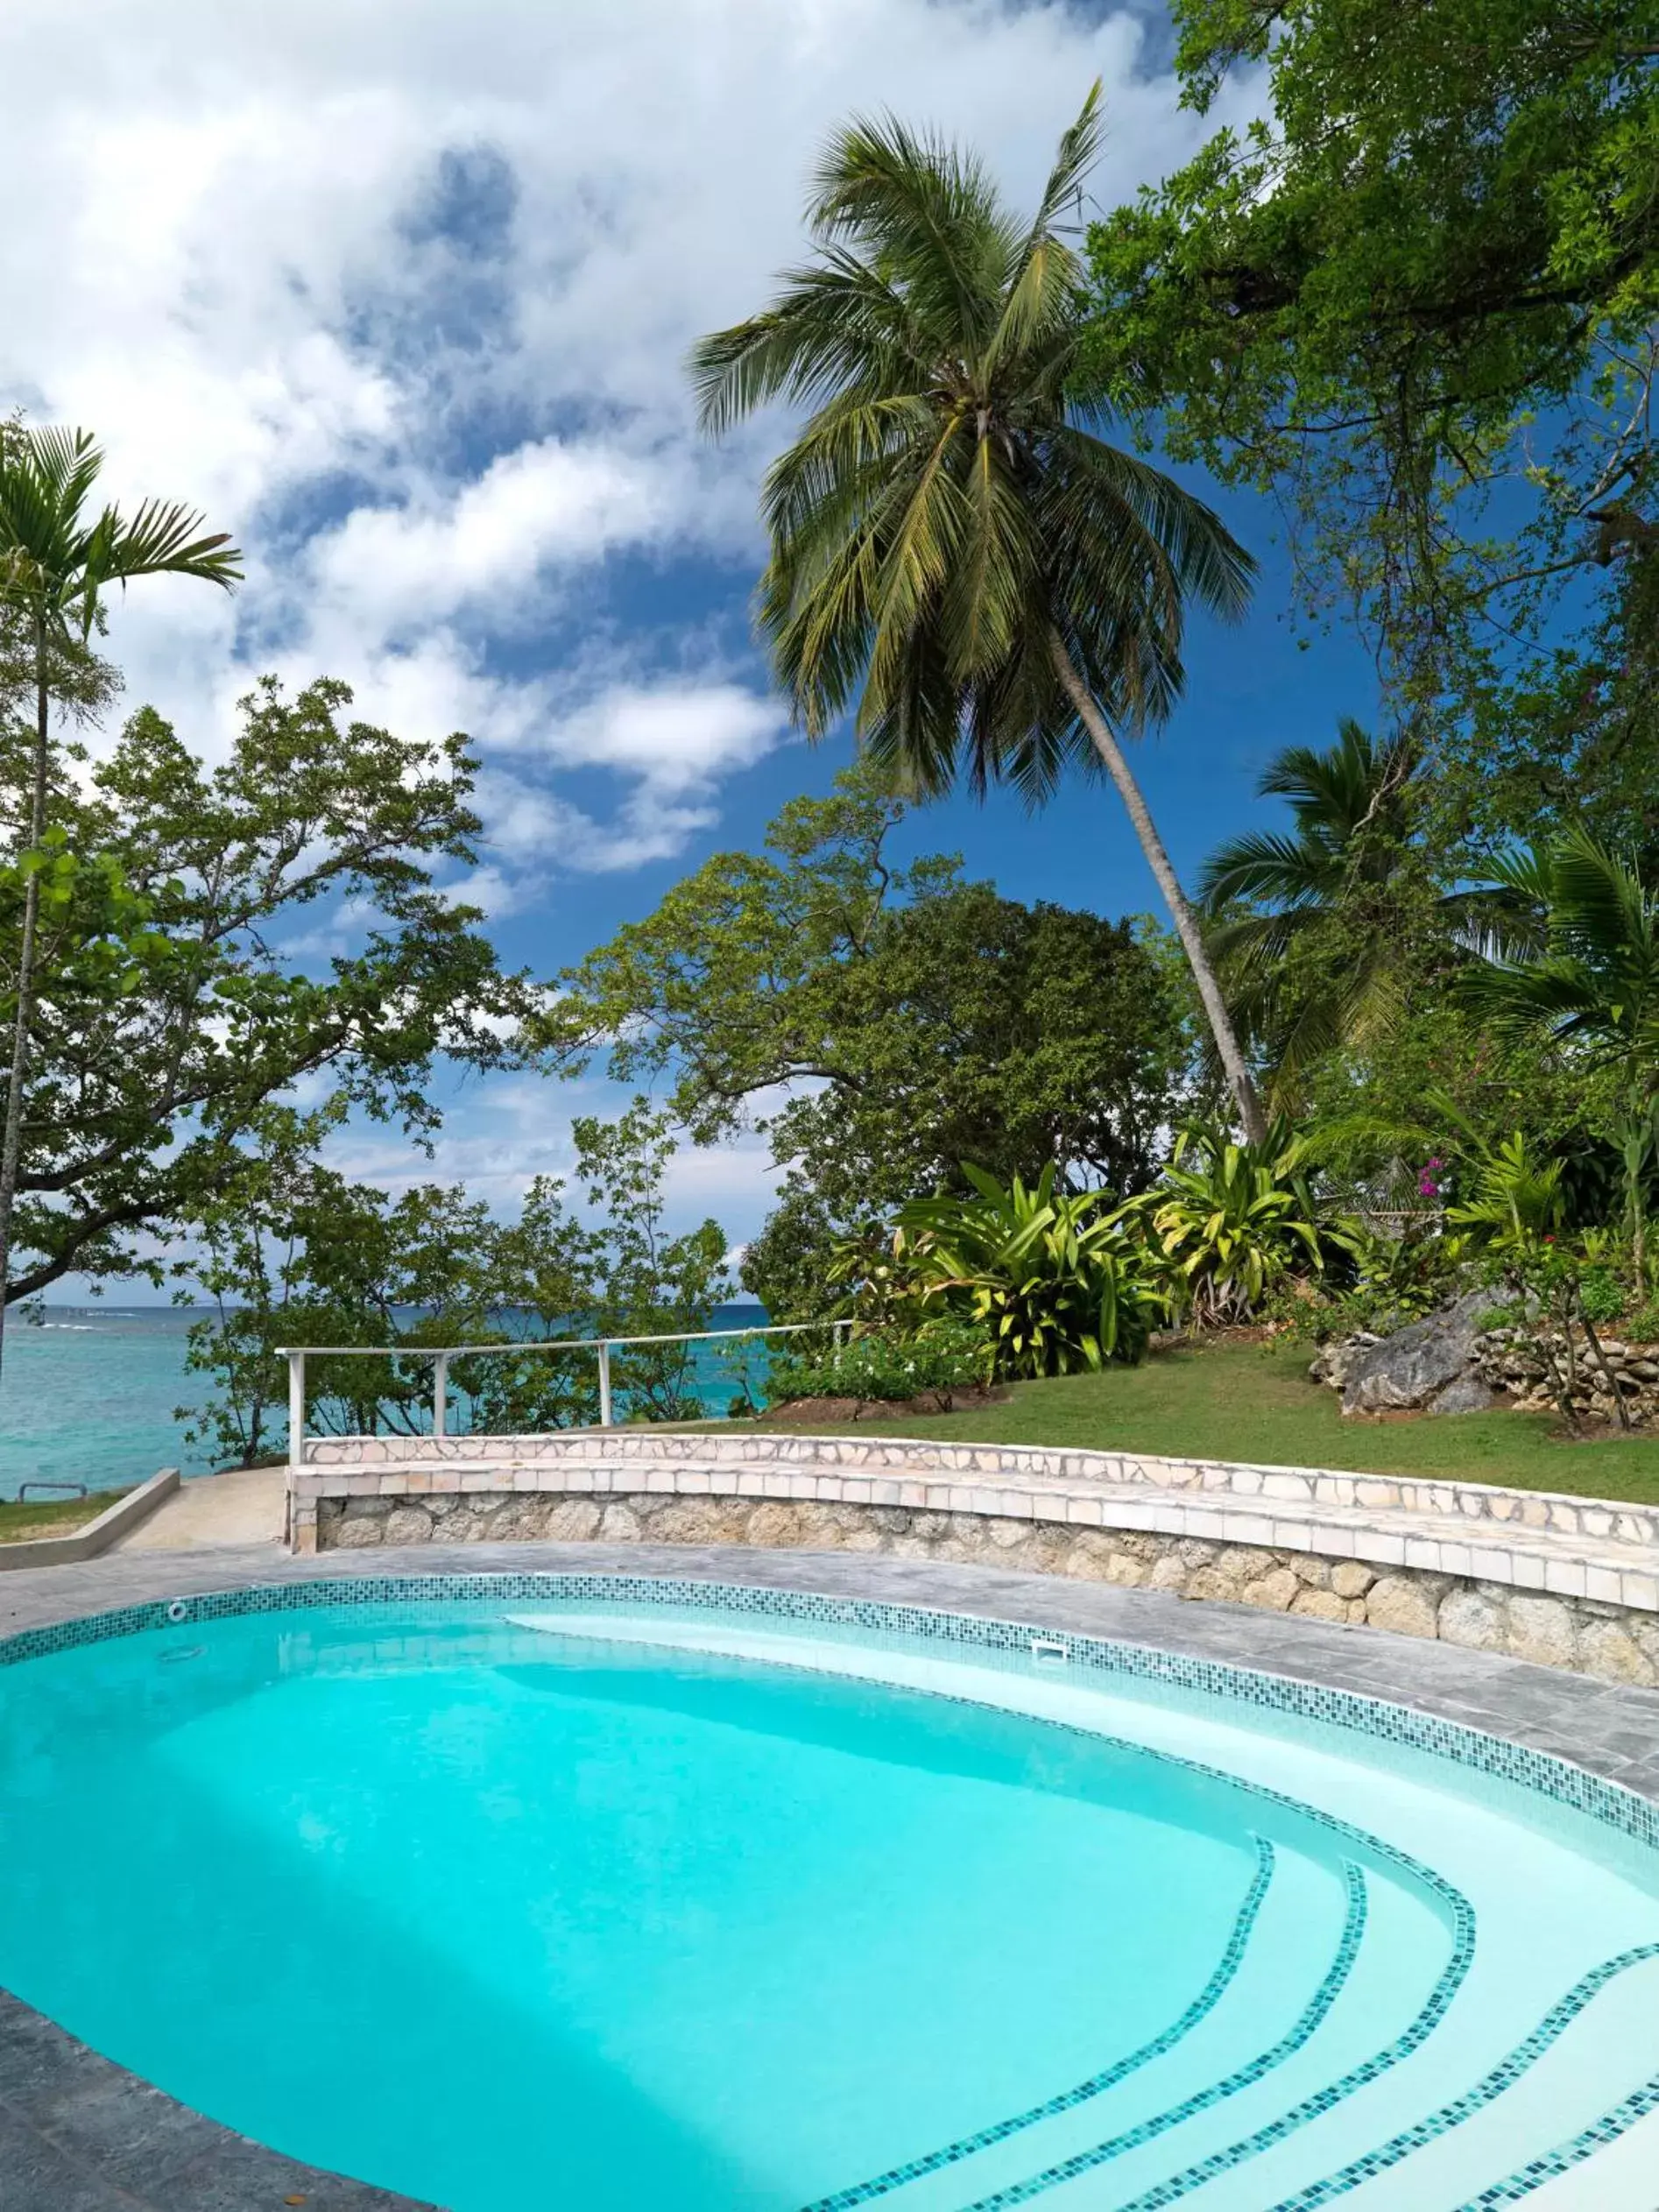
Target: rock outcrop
[1452, 1362]
[1431, 1365]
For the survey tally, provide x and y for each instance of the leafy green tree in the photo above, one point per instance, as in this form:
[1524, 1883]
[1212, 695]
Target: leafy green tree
[289, 1252]
[882, 1023]
[953, 544]
[1589, 982]
[1321, 933]
[646, 1283]
[789, 1264]
[58, 560]
[1415, 306]
[147, 1072]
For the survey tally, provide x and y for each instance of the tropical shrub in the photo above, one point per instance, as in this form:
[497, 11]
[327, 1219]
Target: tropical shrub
[1390, 1279]
[941, 1359]
[1049, 1277]
[1231, 1222]
[1514, 1197]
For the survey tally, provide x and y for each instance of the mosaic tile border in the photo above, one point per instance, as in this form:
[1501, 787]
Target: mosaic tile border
[1295, 2039]
[1611, 2125]
[1554, 1778]
[1492, 2085]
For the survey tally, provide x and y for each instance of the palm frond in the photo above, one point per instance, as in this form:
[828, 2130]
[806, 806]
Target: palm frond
[61, 563]
[1047, 278]
[1267, 864]
[1194, 546]
[922, 209]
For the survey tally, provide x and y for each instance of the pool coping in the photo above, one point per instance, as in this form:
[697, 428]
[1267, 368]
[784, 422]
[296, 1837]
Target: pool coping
[87, 2136]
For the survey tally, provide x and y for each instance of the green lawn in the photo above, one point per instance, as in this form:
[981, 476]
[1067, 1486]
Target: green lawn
[52, 1516]
[1227, 1400]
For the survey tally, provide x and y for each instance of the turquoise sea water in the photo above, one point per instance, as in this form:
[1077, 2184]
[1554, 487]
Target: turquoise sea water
[90, 1396]
[536, 1906]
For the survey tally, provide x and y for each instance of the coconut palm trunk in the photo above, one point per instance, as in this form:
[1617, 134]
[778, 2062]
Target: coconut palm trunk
[1112, 757]
[958, 558]
[17, 1074]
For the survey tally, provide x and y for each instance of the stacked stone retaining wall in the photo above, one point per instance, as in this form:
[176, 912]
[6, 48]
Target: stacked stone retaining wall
[1563, 1582]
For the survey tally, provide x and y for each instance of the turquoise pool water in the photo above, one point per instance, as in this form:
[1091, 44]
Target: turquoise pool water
[512, 1904]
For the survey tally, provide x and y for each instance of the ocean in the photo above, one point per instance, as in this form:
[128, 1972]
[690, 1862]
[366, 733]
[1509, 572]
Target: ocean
[91, 1396]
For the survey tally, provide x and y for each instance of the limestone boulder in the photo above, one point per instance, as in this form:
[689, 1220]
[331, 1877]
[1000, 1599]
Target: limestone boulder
[1542, 1629]
[573, 1520]
[1276, 1591]
[1320, 1605]
[1431, 1367]
[1474, 1622]
[1607, 1650]
[1331, 1362]
[357, 1532]
[1403, 1604]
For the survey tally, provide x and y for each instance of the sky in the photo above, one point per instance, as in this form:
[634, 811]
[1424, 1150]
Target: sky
[399, 292]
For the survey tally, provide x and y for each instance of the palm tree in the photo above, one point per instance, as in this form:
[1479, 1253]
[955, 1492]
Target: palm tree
[1354, 806]
[951, 539]
[1585, 972]
[56, 561]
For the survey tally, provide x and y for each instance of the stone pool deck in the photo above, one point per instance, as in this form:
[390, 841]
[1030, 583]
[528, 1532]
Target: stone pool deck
[78, 2134]
[1610, 1729]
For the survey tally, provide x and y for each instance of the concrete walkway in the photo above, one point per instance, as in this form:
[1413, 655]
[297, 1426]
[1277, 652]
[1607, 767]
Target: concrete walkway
[215, 1512]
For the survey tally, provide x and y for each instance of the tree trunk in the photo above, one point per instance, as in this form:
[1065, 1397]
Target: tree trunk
[11, 1141]
[1240, 1080]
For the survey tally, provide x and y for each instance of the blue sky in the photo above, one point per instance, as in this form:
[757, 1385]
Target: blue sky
[399, 292]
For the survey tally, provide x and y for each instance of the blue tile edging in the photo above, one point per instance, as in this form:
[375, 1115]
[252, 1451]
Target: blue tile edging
[1553, 1779]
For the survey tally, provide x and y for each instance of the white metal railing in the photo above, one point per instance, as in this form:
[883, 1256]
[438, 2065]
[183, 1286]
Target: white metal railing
[441, 1355]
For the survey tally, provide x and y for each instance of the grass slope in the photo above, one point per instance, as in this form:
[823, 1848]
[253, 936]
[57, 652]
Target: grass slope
[52, 1517]
[1227, 1400]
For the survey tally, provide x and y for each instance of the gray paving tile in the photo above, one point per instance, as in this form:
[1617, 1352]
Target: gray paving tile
[35, 2177]
[79, 2134]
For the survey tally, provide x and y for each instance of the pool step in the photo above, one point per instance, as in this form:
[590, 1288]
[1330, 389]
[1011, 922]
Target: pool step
[1541, 2101]
[1293, 1951]
[1321, 2123]
[1391, 1976]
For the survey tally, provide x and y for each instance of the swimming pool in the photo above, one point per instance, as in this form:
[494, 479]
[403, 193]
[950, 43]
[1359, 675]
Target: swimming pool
[606, 1893]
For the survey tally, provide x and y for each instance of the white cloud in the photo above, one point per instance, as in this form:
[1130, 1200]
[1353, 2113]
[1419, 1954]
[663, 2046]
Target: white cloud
[516, 1131]
[676, 737]
[672, 742]
[482, 550]
[401, 292]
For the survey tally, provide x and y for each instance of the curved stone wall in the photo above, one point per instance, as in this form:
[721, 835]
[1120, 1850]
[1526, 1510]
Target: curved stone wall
[1597, 1637]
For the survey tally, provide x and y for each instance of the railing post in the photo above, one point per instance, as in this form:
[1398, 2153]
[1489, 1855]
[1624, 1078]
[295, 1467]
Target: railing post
[604, 1386]
[296, 1409]
[440, 1395]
